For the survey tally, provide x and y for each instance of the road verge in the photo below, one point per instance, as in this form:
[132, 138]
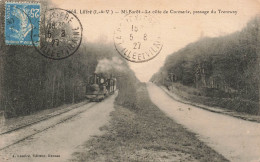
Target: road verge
[176, 96]
[141, 132]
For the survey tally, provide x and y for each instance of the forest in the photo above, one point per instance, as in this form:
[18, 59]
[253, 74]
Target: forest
[223, 67]
[30, 82]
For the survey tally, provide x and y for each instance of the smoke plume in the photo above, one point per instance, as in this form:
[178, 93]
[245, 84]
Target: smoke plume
[110, 65]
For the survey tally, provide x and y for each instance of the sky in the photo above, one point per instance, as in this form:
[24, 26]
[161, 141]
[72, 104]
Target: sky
[176, 30]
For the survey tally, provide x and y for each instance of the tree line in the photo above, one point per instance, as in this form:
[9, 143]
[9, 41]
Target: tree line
[227, 65]
[31, 82]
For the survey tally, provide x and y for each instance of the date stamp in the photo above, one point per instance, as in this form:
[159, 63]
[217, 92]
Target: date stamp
[137, 38]
[62, 34]
[20, 20]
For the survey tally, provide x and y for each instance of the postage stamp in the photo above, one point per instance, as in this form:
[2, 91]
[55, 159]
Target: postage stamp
[62, 34]
[21, 23]
[137, 38]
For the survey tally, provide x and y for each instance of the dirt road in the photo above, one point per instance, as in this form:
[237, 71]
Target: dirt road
[236, 139]
[57, 142]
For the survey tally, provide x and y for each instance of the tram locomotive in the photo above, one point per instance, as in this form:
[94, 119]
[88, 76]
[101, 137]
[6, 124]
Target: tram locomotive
[99, 87]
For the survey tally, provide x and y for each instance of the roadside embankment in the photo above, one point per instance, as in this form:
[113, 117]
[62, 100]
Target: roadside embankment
[234, 107]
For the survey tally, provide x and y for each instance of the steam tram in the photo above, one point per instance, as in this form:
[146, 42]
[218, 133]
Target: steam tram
[99, 87]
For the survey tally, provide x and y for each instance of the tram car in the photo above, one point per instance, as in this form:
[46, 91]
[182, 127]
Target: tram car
[99, 87]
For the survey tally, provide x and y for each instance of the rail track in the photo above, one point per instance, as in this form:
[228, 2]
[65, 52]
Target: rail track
[48, 116]
[68, 117]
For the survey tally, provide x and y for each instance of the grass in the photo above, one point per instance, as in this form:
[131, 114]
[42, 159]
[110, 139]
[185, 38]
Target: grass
[144, 133]
[234, 104]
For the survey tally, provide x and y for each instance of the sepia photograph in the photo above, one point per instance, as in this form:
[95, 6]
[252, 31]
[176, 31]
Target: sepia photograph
[129, 81]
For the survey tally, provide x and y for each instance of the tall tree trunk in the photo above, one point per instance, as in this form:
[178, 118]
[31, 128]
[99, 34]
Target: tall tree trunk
[58, 93]
[64, 84]
[1, 83]
[258, 57]
[73, 93]
[53, 91]
[64, 91]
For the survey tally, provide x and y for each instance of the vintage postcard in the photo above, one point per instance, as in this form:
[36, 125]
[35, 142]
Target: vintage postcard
[133, 80]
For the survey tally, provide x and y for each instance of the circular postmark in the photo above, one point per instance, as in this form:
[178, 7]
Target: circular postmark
[137, 38]
[61, 34]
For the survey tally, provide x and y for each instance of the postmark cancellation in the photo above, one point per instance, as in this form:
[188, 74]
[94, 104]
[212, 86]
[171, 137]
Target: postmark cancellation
[137, 38]
[62, 34]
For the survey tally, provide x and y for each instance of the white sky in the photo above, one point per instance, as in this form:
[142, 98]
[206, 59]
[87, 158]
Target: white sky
[177, 30]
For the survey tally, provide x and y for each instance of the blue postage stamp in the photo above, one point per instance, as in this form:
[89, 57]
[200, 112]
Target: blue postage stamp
[22, 21]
